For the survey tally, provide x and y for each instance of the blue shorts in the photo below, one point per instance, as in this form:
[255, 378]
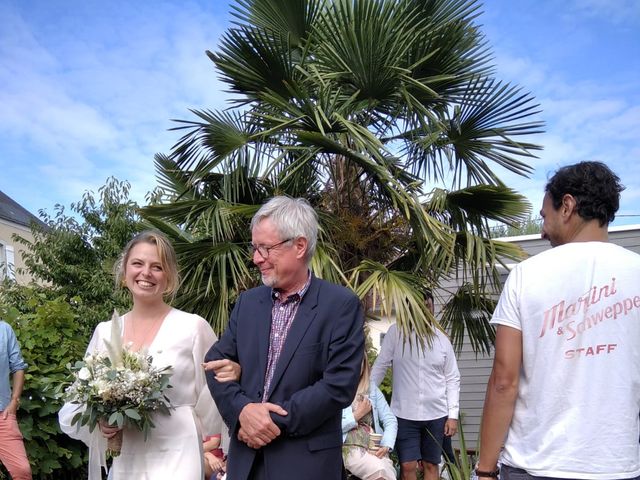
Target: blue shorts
[420, 440]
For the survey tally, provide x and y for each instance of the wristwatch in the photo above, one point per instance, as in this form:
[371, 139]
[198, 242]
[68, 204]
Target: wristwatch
[487, 474]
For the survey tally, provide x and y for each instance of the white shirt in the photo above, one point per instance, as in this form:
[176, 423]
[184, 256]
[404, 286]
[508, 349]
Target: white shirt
[576, 414]
[426, 381]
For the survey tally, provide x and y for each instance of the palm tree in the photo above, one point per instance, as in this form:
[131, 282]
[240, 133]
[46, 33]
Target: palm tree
[386, 116]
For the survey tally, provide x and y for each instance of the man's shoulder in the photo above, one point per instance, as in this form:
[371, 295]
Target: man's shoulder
[442, 337]
[255, 293]
[328, 288]
[5, 327]
[580, 252]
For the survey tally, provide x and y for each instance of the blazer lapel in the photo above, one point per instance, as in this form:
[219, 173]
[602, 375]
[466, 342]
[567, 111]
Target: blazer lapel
[301, 322]
[263, 330]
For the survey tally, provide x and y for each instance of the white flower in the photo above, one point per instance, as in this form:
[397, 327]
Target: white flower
[84, 374]
[133, 384]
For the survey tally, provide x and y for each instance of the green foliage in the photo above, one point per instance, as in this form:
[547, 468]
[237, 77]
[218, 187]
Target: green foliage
[463, 467]
[466, 312]
[75, 254]
[50, 337]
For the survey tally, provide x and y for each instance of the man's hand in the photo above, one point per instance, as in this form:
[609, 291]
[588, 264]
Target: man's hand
[382, 452]
[450, 427]
[224, 370]
[12, 408]
[256, 427]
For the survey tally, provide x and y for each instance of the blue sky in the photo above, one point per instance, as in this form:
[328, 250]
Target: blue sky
[88, 88]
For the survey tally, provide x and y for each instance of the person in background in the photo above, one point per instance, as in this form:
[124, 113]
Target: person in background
[214, 462]
[299, 341]
[369, 413]
[447, 446]
[425, 398]
[12, 452]
[564, 393]
[173, 448]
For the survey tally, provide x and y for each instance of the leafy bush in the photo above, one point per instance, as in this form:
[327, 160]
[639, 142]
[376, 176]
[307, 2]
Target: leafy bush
[50, 337]
[74, 254]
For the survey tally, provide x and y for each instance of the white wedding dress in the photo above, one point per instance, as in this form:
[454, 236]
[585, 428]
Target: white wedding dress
[173, 449]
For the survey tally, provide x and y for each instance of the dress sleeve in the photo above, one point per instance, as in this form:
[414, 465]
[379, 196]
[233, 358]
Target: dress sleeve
[205, 408]
[229, 396]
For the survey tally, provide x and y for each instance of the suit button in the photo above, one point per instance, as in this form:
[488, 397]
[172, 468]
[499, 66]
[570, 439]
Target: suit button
[259, 394]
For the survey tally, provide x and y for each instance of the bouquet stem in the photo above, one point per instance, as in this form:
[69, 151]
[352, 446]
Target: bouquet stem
[114, 444]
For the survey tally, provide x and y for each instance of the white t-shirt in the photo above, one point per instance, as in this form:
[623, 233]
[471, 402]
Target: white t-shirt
[576, 415]
[426, 381]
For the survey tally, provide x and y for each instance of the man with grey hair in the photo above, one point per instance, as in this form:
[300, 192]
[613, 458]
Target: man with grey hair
[299, 341]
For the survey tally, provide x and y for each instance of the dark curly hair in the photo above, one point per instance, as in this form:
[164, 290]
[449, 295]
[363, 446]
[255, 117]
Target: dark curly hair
[594, 186]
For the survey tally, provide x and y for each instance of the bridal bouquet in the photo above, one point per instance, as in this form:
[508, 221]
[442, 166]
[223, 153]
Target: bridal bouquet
[119, 386]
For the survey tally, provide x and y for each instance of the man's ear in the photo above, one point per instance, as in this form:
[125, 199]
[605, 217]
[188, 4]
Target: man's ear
[301, 246]
[568, 205]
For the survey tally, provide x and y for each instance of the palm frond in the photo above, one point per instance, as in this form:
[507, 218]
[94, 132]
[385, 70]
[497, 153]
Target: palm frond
[252, 60]
[471, 207]
[395, 294]
[293, 18]
[466, 317]
[210, 271]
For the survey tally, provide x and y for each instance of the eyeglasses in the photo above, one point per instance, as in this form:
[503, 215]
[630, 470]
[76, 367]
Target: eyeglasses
[264, 250]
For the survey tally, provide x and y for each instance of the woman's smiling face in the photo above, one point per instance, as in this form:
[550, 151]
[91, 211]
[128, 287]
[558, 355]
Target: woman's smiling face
[144, 274]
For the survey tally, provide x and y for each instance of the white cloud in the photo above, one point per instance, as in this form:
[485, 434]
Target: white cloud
[92, 95]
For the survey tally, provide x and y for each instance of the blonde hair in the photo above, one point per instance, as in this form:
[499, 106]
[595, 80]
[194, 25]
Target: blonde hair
[167, 255]
[365, 375]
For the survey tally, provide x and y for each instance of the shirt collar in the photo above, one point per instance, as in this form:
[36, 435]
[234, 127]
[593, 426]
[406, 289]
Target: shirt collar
[275, 293]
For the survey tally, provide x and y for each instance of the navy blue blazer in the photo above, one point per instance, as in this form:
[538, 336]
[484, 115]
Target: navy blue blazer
[315, 378]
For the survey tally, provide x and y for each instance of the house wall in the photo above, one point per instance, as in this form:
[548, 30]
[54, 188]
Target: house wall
[8, 245]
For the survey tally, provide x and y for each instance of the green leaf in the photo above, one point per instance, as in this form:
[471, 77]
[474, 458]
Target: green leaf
[132, 414]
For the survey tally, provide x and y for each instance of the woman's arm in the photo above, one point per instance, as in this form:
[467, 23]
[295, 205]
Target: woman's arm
[386, 418]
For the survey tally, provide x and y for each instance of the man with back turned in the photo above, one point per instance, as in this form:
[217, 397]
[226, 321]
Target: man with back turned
[564, 394]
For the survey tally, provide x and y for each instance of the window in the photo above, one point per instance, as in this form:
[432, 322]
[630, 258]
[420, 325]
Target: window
[7, 262]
